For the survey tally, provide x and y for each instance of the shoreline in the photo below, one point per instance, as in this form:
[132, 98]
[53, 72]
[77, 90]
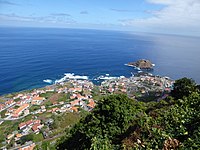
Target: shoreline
[68, 76]
[71, 76]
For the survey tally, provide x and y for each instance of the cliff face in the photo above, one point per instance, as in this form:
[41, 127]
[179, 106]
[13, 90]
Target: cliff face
[142, 64]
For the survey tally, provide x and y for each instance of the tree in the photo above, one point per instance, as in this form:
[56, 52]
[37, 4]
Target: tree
[183, 87]
[25, 139]
[107, 122]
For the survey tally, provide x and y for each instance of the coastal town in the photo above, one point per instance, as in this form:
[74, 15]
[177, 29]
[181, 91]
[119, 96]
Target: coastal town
[27, 118]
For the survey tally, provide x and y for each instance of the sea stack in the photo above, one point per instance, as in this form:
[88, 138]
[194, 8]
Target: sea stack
[142, 64]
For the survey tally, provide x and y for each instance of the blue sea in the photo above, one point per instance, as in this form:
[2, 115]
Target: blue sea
[30, 55]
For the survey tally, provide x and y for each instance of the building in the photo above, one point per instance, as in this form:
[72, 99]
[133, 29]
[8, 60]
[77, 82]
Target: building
[74, 109]
[36, 127]
[10, 102]
[19, 110]
[91, 104]
[2, 106]
[10, 136]
[22, 125]
[18, 136]
[37, 100]
[28, 147]
[75, 102]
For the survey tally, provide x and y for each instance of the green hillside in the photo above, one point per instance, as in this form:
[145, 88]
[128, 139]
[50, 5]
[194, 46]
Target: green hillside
[119, 122]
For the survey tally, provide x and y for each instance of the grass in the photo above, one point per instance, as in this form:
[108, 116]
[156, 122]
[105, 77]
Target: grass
[29, 117]
[18, 99]
[3, 113]
[2, 139]
[37, 137]
[2, 101]
[47, 103]
[69, 119]
[54, 97]
[44, 116]
[62, 97]
[16, 107]
[64, 121]
[46, 145]
[47, 95]
[9, 95]
[96, 93]
[34, 108]
[7, 127]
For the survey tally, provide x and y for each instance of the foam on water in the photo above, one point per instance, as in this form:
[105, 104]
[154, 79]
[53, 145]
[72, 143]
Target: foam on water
[72, 76]
[107, 77]
[48, 81]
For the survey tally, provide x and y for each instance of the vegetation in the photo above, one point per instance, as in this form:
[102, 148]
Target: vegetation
[47, 94]
[37, 137]
[46, 145]
[2, 101]
[119, 122]
[25, 139]
[183, 87]
[34, 108]
[63, 121]
[96, 93]
[2, 114]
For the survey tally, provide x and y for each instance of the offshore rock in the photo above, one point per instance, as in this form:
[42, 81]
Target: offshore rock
[142, 64]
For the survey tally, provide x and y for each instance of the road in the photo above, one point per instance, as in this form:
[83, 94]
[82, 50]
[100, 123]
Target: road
[38, 143]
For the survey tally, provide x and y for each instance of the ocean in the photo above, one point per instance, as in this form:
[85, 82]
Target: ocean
[30, 55]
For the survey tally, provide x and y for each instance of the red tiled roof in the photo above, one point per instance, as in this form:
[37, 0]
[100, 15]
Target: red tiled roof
[91, 103]
[38, 98]
[2, 106]
[36, 121]
[30, 147]
[74, 109]
[72, 97]
[35, 126]
[21, 108]
[75, 102]
[15, 115]
[29, 122]
[22, 124]
[54, 109]
[9, 102]
[18, 135]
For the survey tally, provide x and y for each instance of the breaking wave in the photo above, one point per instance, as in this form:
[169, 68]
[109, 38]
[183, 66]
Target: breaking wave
[68, 76]
[72, 76]
[48, 81]
[107, 77]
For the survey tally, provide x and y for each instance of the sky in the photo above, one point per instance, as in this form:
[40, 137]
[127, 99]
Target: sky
[154, 16]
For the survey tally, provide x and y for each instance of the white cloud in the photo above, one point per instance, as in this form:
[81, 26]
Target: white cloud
[177, 16]
[52, 18]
